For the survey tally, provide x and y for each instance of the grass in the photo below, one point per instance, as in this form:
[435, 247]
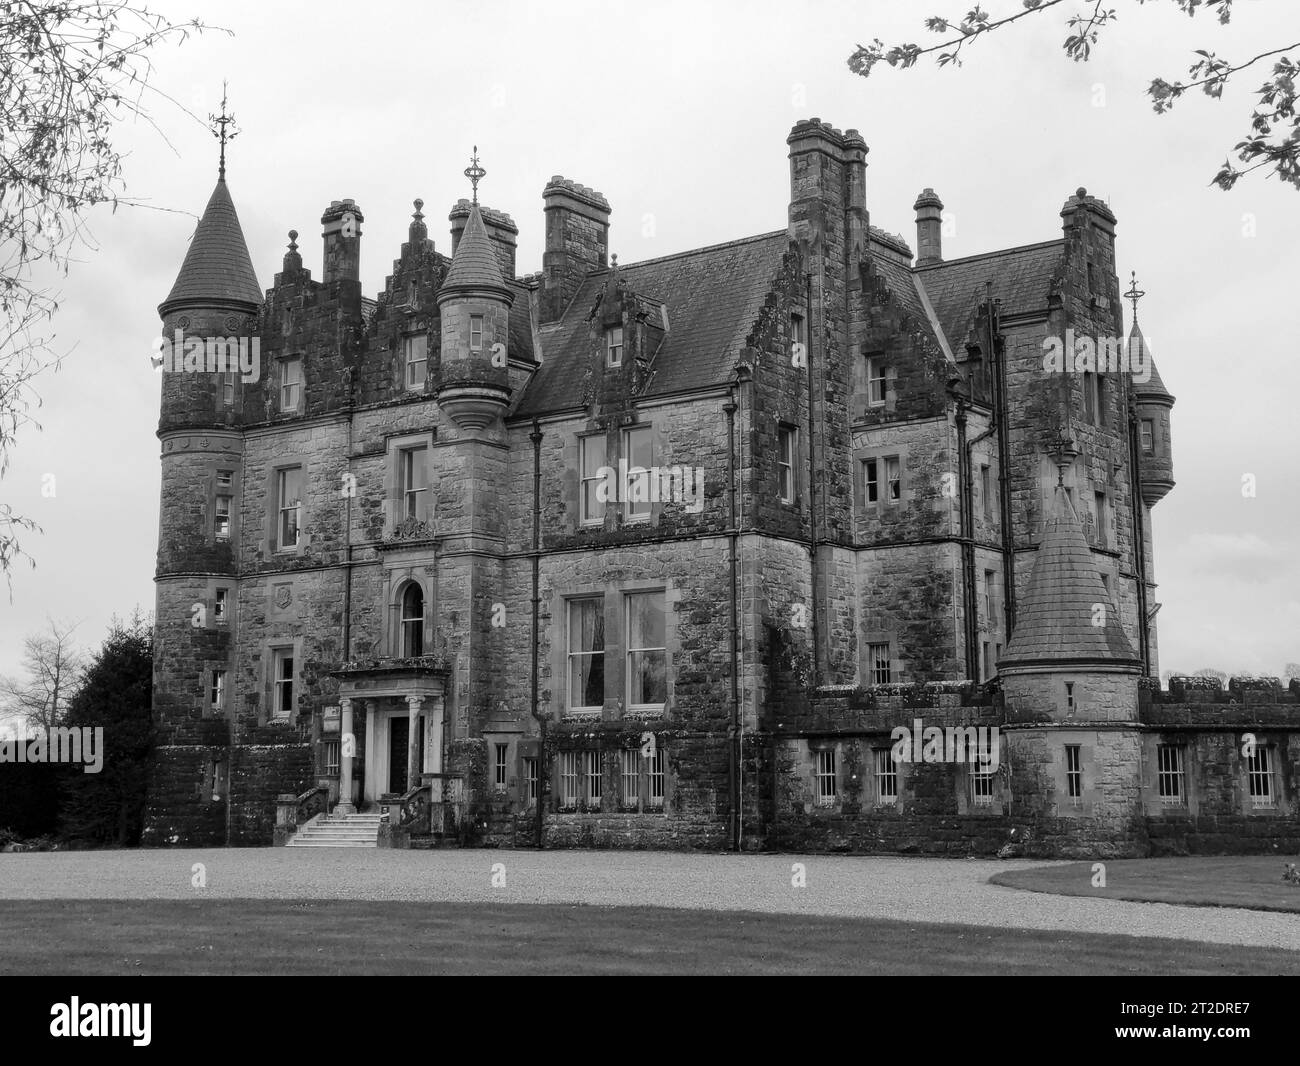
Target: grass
[1251, 881]
[177, 937]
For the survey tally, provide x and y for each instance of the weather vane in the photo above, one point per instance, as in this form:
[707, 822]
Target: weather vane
[475, 173]
[220, 122]
[1134, 294]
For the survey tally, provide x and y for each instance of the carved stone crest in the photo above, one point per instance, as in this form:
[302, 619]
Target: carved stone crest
[283, 596]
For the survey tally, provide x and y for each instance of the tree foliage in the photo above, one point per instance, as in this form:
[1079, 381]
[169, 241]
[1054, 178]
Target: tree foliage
[108, 807]
[1273, 139]
[69, 71]
[52, 665]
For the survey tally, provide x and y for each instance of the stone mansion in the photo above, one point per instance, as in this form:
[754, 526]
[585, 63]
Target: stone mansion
[662, 554]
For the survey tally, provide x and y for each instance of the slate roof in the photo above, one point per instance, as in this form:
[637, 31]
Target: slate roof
[1021, 277]
[713, 296]
[1154, 387]
[475, 264]
[217, 265]
[1054, 618]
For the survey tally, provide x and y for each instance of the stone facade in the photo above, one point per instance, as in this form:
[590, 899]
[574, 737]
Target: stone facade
[405, 562]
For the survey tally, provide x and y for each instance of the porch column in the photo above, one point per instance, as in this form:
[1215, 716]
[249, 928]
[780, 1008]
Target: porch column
[347, 745]
[436, 708]
[413, 742]
[371, 774]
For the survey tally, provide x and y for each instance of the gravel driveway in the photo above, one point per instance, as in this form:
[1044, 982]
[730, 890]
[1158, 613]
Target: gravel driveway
[903, 889]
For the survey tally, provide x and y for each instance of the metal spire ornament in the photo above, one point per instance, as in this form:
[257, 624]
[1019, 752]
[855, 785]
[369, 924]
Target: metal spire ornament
[1134, 294]
[475, 173]
[219, 130]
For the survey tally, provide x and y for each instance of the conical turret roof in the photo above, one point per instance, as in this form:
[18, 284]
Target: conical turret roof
[1153, 388]
[1054, 620]
[475, 265]
[217, 267]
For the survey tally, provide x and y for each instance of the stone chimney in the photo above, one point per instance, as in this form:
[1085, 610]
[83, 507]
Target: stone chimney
[577, 241]
[828, 211]
[500, 227]
[929, 228]
[342, 234]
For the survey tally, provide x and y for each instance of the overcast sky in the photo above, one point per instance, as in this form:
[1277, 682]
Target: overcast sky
[678, 113]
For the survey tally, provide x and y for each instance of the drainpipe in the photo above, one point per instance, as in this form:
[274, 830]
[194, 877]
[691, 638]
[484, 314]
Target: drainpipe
[967, 539]
[972, 662]
[997, 361]
[812, 486]
[733, 731]
[542, 777]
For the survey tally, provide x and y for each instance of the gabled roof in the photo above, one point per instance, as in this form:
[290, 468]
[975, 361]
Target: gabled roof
[1021, 278]
[713, 296]
[1054, 619]
[475, 264]
[217, 266]
[1154, 387]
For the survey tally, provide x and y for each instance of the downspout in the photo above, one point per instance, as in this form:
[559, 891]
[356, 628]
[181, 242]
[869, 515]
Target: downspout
[972, 663]
[812, 486]
[1139, 534]
[967, 539]
[1004, 473]
[542, 775]
[733, 731]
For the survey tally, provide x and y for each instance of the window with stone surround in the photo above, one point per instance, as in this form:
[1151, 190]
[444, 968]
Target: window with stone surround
[221, 518]
[877, 381]
[638, 454]
[630, 776]
[570, 778]
[656, 784]
[415, 359]
[282, 706]
[530, 780]
[217, 692]
[499, 772]
[1074, 774]
[982, 777]
[1260, 777]
[475, 333]
[1101, 508]
[228, 389]
[1148, 434]
[586, 654]
[288, 506]
[220, 605]
[412, 621]
[787, 451]
[331, 760]
[824, 777]
[290, 384]
[990, 600]
[413, 469]
[614, 347]
[798, 335]
[594, 776]
[591, 462]
[879, 663]
[883, 479]
[886, 774]
[1171, 784]
[986, 491]
[647, 656]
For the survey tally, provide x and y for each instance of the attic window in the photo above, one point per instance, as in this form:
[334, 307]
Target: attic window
[614, 346]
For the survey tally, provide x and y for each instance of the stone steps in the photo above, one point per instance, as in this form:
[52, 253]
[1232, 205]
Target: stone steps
[338, 831]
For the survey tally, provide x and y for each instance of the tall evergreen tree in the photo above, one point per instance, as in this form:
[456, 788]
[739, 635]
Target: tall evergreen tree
[116, 693]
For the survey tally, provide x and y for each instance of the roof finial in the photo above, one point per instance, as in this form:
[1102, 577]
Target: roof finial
[1063, 453]
[614, 260]
[475, 173]
[1134, 294]
[293, 240]
[220, 132]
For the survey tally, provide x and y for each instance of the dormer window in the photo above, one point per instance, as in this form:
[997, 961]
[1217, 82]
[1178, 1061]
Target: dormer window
[877, 382]
[290, 384]
[416, 359]
[614, 346]
[475, 333]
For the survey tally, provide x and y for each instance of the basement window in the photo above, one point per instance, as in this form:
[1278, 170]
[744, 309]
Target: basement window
[1171, 785]
[1259, 766]
[824, 778]
[886, 777]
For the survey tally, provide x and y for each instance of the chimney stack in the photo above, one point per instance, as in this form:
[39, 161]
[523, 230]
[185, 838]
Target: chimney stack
[342, 233]
[929, 228]
[577, 241]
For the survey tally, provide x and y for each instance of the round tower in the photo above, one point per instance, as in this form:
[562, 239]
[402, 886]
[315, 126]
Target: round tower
[210, 350]
[474, 304]
[1154, 404]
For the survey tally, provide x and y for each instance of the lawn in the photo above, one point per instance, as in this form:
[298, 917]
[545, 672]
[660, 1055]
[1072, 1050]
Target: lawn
[1252, 881]
[332, 937]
